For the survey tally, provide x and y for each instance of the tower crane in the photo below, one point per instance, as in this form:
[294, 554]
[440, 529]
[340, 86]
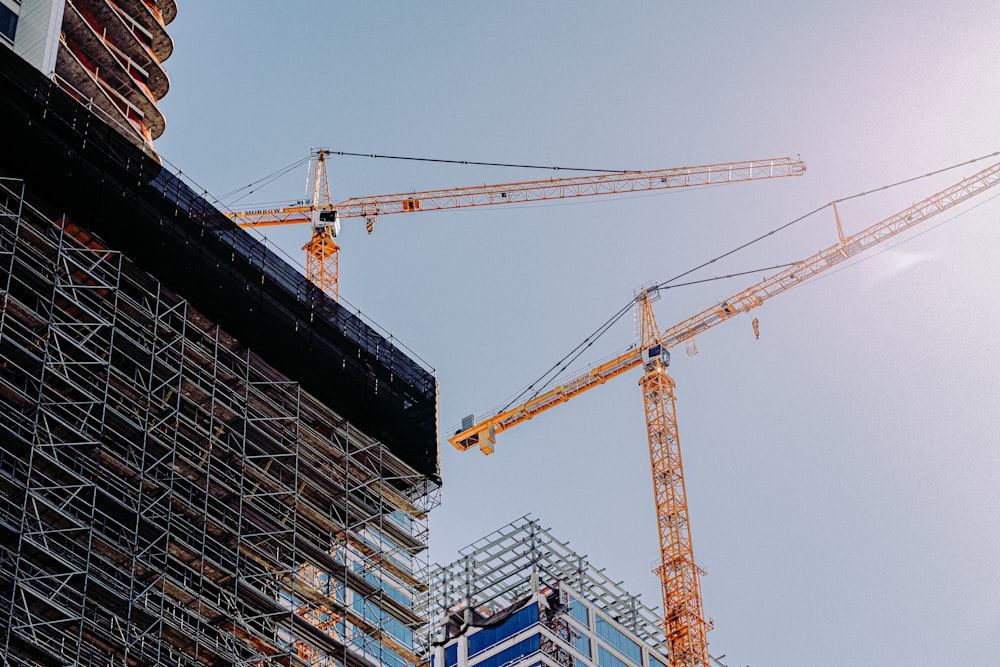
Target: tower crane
[684, 620]
[322, 250]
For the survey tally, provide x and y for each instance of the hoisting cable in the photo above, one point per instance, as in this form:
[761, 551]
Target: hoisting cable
[482, 164]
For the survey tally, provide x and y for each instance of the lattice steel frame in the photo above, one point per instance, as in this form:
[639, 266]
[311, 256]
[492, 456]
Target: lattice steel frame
[166, 495]
[496, 571]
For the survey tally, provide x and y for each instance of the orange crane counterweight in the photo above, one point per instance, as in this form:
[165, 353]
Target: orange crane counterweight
[684, 621]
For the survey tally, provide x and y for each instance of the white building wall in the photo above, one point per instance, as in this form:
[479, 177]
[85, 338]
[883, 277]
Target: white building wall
[38, 30]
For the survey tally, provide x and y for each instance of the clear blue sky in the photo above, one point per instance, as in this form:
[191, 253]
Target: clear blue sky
[842, 470]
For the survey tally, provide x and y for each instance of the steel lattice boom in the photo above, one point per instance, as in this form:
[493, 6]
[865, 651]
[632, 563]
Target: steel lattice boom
[324, 215]
[479, 434]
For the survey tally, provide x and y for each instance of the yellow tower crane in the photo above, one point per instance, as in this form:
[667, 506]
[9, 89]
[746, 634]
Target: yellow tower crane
[322, 251]
[684, 619]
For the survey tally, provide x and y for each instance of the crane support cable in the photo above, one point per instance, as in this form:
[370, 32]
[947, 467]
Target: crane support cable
[560, 367]
[484, 432]
[743, 246]
[817, 210]
[482, 164]
[917, 178]
[540, 383]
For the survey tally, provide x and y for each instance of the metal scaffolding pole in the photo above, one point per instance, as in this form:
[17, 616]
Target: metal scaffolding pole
[167, 496]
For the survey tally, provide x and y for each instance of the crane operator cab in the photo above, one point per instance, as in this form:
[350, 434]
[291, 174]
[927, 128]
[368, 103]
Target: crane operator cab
[327, 219]
[654, 356]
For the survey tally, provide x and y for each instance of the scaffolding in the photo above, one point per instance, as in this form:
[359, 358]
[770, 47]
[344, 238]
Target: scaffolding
[167, 496]
[76, 165]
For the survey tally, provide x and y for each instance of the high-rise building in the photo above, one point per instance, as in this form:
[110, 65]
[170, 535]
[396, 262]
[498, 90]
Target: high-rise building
[204, 460]
[108, 54]
[520, 597]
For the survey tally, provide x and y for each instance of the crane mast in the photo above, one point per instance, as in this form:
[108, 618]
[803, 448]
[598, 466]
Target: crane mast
[322, 250]
[683, 618]
[684, 621]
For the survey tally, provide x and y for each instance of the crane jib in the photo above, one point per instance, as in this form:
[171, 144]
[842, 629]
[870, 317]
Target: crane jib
[747, 299]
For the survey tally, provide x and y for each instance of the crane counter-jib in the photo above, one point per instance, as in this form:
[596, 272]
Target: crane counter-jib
[482, 434]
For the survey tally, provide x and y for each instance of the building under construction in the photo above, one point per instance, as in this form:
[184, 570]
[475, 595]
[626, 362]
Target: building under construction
[519, 596]
[108, 54]
[203, 459]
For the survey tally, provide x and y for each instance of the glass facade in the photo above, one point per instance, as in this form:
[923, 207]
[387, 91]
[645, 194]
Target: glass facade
[522, 649]
[617, 639]
[488, 637]
[606, 658]
[578, 611]
[564, 636]
[582, 644]
[518, 598]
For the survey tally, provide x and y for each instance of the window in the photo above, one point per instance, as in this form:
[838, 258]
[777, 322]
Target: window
[8, 22]
[398, 516]
[525, 647]
[381, 654]
[374, 614]
[487, 637]
[578, 610]
[582, 644]
[606, 658]
[617, 640]
[656, 662]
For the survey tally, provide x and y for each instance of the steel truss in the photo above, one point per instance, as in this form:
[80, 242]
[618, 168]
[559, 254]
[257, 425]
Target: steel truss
[495, 572]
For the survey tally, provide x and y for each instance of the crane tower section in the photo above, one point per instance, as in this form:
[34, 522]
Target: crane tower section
[683, 618]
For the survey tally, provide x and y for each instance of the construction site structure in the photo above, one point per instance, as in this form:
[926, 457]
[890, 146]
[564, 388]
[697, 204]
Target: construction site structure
[319, 211]
[108, 54]
[519, 596]
[684, 619]
[204, 460]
